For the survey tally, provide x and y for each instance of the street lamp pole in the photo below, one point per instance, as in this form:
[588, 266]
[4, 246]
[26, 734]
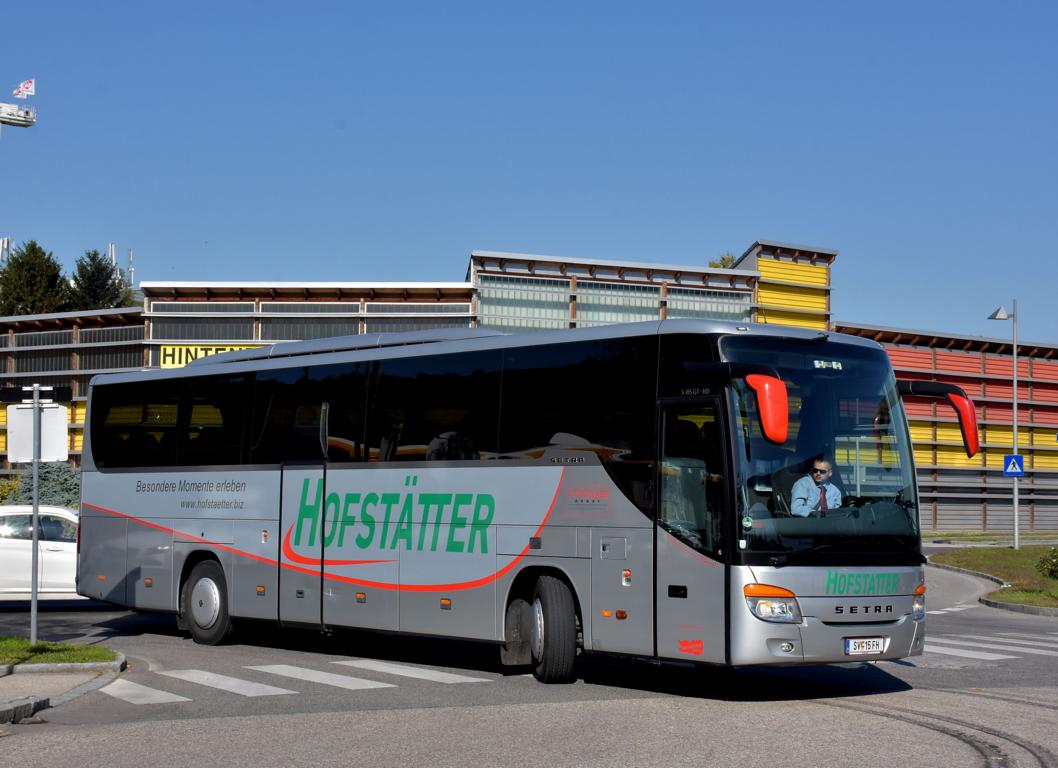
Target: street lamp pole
[1014, 326]
[1001, 314]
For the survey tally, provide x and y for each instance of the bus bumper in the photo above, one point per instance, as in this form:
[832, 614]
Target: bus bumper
[815, 642]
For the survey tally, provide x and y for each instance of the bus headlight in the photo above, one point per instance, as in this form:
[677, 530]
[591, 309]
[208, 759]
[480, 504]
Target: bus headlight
[770, 603]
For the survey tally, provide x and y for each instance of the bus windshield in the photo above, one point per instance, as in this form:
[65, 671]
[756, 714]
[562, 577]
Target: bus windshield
[842, 486]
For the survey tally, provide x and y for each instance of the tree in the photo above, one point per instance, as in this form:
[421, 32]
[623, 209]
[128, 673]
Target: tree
[726, 261]
[32, 283]
[97, 284]
[9, 488]
[59, 486]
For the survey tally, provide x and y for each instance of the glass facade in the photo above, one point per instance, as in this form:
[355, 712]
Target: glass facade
[695, 303]
[298, 328]
[202, 328]
[404, 324]
[518, 303]
[606, 303]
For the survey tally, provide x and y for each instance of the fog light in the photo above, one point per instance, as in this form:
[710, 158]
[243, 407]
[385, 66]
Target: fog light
[786, 647]
[918, 608]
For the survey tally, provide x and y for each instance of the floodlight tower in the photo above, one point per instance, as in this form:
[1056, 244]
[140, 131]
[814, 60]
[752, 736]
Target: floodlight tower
[17, 115]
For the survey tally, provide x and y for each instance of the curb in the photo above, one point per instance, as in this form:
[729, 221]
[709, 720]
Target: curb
[1034, 610]
[13, 712]
[967, 572]
[118, 665]
[20, 710]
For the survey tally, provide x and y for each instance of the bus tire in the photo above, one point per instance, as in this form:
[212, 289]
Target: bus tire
[204, 603]
[553, 632]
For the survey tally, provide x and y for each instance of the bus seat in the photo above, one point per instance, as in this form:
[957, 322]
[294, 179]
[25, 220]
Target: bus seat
[782, 483]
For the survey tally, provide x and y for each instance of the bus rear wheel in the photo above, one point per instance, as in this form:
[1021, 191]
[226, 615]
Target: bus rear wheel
[553, 633]
[204, 603]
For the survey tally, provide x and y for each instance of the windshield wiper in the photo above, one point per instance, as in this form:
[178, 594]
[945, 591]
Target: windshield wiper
[919, 557]
[777, 561]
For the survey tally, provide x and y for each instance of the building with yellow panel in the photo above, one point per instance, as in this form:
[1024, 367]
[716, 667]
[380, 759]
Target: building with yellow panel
[793, 284]
[961, 493]
[772, 282]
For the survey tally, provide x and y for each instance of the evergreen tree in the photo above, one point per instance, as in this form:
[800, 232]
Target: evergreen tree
[97, 284]
[60, 486]
[31, 282]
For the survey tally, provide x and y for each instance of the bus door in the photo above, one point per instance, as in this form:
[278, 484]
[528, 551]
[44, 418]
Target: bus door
[301, 547]
[689, 531]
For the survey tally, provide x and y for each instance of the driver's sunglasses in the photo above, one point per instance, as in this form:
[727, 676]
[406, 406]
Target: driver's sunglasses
[818, 471]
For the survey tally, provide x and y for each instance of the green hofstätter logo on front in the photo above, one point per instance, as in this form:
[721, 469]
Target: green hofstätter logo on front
[842, 583]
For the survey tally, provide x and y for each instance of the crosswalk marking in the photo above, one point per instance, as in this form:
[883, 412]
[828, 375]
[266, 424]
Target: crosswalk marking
[225, 683]
[404, 670]
[324, 678]
[994, 646]
[967, 654]
[1052, 637]
[953, 609]
[1052, 643]
[134, 693]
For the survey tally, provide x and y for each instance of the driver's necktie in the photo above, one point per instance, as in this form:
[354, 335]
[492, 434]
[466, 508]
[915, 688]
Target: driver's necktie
[822, 501]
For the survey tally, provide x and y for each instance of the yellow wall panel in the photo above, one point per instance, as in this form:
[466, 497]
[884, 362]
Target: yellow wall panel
[77, 412]
[994, 458]
[923, 455]
[955, 456]
[1039, 436]
[949, 433]
[76, 439]
[1043, 460]
[3, 415]
[778, 317]
[3, 442]
[1000, 435]
[791, 272]
[920, 430]
[792, 296]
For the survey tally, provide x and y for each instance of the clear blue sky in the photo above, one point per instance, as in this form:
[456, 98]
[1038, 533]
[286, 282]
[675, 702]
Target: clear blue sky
[385, 141]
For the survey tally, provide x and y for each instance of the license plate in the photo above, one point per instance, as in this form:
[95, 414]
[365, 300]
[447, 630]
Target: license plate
[857, 646]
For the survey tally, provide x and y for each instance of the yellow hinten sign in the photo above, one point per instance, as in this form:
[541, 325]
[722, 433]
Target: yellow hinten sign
[179, 355]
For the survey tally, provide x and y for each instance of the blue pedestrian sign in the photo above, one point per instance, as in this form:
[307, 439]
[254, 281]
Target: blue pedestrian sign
[1014, 465]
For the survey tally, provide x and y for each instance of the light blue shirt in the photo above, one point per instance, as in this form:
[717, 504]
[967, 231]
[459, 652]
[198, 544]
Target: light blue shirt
[804, 500]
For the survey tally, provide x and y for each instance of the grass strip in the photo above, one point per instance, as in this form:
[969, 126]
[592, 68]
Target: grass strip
[1016, 567]
[1007, 537]
[18, 650]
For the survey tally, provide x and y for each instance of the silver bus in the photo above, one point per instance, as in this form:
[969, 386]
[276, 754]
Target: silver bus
[626, 490]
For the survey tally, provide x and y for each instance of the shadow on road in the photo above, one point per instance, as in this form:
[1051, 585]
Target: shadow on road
[716, 683]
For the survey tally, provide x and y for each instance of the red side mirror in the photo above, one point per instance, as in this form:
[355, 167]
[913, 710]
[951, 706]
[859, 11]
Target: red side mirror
[773, 404]
[964, 407]
[967, 414]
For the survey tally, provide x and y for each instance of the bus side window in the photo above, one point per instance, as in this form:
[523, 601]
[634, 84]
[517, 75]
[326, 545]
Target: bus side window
[435, 408]
[134, 425]
[288, 405]
[214, 419]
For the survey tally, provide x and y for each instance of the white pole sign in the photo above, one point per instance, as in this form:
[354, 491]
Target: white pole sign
[54, 441]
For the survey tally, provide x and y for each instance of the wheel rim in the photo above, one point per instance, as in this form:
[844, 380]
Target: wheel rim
[536, 639]
[205, 603]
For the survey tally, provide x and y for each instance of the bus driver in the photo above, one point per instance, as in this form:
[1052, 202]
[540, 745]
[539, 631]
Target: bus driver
[814, 493]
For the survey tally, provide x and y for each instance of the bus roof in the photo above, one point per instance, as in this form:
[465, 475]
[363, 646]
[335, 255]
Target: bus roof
[389, 345]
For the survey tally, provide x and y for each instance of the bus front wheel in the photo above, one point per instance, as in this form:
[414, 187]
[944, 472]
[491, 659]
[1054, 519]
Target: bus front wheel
[204, 605]
[553, 634]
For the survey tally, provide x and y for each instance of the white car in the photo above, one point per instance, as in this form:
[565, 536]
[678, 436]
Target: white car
[57, 540]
